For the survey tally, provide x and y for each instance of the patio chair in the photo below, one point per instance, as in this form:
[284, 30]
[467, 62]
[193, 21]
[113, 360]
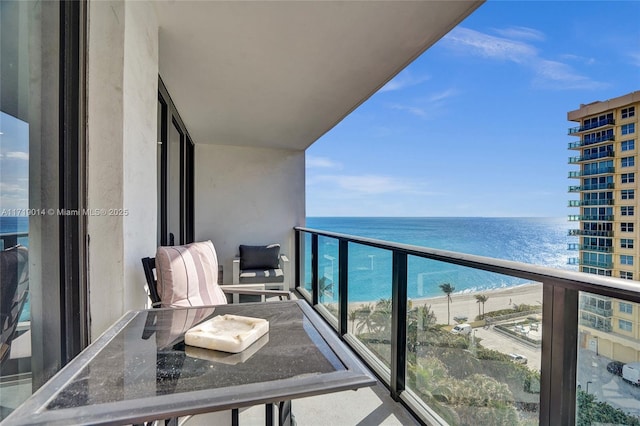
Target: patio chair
[261, 265]
[14, 284]
[187, 275]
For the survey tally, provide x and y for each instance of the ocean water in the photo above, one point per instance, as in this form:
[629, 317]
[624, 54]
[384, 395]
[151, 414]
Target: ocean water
[540, 241]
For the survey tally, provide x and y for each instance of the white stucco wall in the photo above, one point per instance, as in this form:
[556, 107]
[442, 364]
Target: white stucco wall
[248, 196]
[122, 90]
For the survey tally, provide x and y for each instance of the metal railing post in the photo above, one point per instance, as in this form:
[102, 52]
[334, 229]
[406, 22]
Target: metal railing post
[559, 355]
[398, 324]
[314, 269]
[343, 279]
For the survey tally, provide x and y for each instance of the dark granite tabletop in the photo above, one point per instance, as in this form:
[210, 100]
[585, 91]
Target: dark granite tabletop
[140, 369]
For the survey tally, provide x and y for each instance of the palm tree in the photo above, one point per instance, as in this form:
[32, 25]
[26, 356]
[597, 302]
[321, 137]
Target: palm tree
[481, 298]
[353, 316]
[447, 289]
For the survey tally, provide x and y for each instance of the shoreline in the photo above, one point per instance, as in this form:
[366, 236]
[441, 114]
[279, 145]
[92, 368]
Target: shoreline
[465, 303]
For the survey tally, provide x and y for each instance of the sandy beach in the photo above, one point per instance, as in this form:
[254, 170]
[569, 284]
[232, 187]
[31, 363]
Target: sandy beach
[465, 304]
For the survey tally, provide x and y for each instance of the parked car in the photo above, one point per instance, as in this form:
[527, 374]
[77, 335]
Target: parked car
[518, 359]
[464, 329]
[631, 373]
[615, 367]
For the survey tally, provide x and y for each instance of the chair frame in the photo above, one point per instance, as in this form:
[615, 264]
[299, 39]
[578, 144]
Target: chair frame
[149, 264]
[284, 265]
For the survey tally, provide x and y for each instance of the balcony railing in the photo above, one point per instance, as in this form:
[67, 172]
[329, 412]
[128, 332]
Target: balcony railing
[595, 310]
[602, 218]
[596, 325]
[578, 203]
[600, 249]
[598, 171]
[12, 239]
[578, 129]
[388, 345]
[595, 187]
[575, 160]
[590, 233]
[596, 264]
[583, 142]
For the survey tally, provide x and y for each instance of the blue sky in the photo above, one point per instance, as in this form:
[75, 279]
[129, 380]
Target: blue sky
[477, 126]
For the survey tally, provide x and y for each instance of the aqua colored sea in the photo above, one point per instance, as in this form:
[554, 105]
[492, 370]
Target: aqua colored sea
[540, 241]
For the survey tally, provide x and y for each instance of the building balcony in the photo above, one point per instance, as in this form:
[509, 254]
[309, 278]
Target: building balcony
[576, 160]
[597, 187]
[597, 218]
[391, 330]
[579, 203]
[596, 325]
[599, 249]
[599, 171]
[595, 264]
[590, 233]
[601, 123]
[608, 313]
[582, 142]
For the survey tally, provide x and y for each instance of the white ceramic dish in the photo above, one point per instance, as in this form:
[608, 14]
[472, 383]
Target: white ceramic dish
[227, 333]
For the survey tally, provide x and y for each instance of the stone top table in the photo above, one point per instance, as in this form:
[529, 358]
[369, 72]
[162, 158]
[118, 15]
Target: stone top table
[140, 369]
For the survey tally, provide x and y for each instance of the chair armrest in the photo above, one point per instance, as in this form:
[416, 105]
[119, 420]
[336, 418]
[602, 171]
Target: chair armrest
[284, 265]
[236, 270]
[240, 290]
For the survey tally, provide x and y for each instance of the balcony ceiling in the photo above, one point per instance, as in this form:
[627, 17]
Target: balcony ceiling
[281, 74]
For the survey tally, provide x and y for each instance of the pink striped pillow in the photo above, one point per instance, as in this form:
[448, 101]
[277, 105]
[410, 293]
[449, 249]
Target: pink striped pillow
[188, 275]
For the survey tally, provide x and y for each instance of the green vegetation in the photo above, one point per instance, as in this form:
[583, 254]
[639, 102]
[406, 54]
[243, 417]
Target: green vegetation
[591, 411]
[465, 383]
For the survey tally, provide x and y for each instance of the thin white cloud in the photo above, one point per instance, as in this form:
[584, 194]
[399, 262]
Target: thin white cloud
[313, 162]
[11, 188]
[428, 106]
[402, 80]
[548, 73]
[17, 155]
[553, 74]
[635, 58]
[522, 33]
[371, 184]
[420, 112]
[489, 46]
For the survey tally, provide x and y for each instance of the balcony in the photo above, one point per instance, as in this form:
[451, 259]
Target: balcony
[590, 233]
[596, 310]
[595, 187]
[579, 203]
[601, 218]
[596, 325]
[600, 249]
[601, 123]
[582, 142]
[395, 332]
[598, 171]
[595, 264]
[576, 160]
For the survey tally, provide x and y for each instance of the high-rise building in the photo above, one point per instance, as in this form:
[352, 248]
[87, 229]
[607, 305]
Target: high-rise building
[609, 226]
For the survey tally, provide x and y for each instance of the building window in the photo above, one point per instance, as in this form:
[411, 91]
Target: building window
[628, 129]
[626, 275]
[627, 194]
[628, 112]
[625, 325]
[628, 145]
[628, 177]
[626, 260]
[628, 161]
[626, 243]
[627, 210]
[626, 227]
[625, 308]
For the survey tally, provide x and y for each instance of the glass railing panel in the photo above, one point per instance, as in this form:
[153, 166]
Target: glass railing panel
[328, 286]
[369, 294]
[487, 370]
[608, 364]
